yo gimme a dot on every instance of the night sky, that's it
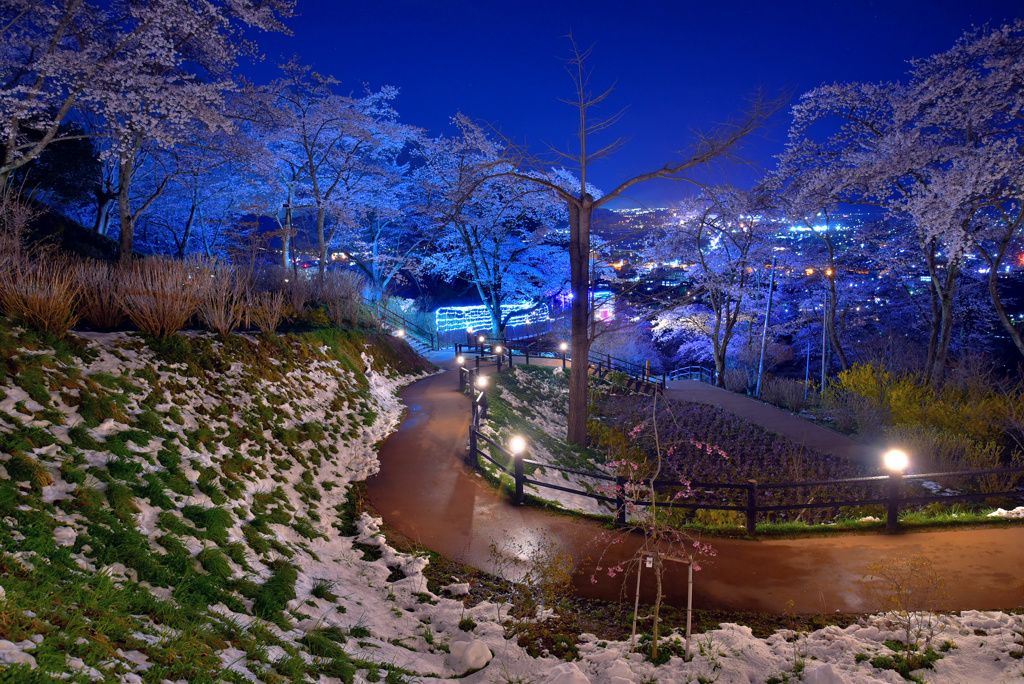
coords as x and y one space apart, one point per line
675 65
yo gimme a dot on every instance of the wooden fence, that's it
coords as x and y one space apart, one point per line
751 498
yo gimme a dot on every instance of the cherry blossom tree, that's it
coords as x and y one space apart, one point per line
339 159
941 154
152 70
495 230
728 239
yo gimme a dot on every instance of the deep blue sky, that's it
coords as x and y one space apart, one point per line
675 65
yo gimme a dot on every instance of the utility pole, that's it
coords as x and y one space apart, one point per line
764 332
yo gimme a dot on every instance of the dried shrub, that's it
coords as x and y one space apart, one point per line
15 217
298 293
42 293
735 379
223 304
266 310
100 305
160 294
341 294
909 591
852 412
788 393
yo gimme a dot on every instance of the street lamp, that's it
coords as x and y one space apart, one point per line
399 333
563 347
460 359
896 462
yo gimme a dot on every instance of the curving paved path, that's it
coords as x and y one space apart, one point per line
424 491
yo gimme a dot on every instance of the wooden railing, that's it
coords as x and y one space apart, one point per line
398 321
693 373
752 498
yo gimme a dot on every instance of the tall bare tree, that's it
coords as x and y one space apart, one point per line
716 145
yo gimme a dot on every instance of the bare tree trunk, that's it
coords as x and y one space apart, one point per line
321 241
105 198
579 279
938 370
833 333
124 207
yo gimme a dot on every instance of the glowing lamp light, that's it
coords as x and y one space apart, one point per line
400 333
896 460
460 359
517 445
480 339
563 346
828 272
497 350
809 271
481 381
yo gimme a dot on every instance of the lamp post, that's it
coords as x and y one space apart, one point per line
498 353
896 462
563 347
460 360
764 333
517 445
824 329
481 399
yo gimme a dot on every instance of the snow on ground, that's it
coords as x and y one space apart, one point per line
402 624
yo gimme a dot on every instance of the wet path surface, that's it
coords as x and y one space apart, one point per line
425 491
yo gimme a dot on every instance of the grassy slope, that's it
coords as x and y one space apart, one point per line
145 488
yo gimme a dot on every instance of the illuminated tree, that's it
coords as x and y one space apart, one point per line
152 70
495 231
728 241
940 154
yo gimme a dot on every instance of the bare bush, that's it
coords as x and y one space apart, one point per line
852 412
939 451
909 591
788 393
735 379
41 293
161 294
266 310
341 292
15 216
100 305
223 304
298 292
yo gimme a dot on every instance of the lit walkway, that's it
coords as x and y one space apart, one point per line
425 491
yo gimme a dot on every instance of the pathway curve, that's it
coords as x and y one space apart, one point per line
424 490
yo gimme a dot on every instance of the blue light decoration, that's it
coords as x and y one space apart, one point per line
449 318
603 301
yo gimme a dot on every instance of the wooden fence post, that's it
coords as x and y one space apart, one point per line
471 459
892 517
520 478
752 507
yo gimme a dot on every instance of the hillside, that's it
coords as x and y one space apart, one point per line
181 512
